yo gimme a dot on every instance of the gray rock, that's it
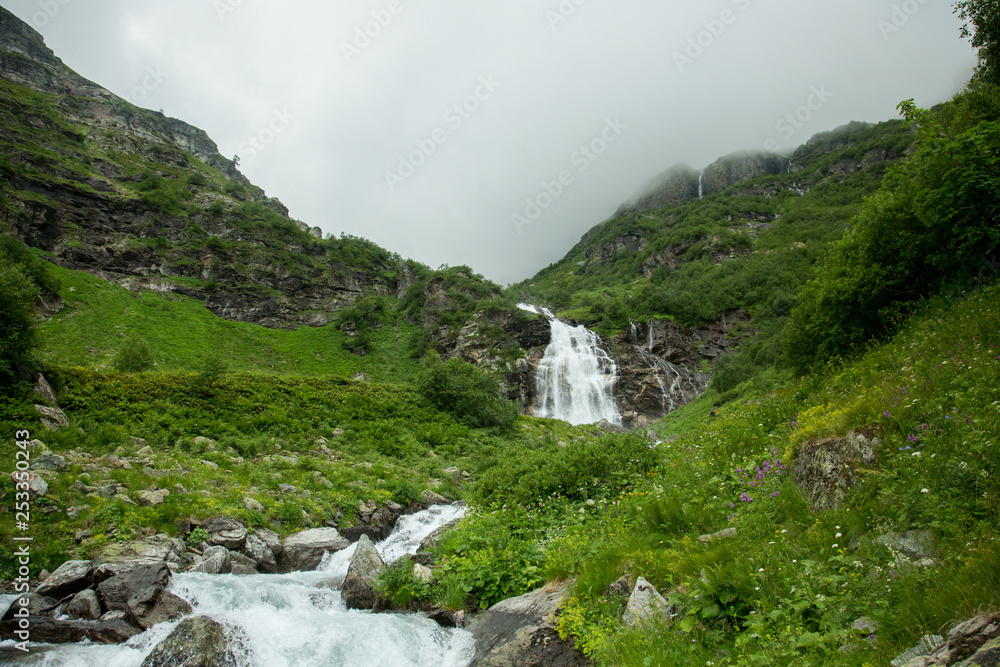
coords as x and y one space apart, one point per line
865 626
435 536
926 646
262 556
305 550
53 419
431 498
85 606
207 443
252 505
213 466
164 608
37 605
140 583
271 539
422 574
827 469
215 560
287 488
915 545
195 642
726 534
228 533
117 558
43 389
365 568
645 605
519 633
988 655
47 630
71 577
37 486
152 498
49 461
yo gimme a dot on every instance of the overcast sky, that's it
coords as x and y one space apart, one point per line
360 134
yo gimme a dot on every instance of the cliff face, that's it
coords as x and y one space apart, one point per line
148 202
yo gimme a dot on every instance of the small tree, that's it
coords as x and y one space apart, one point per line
17 317
470 394
135 356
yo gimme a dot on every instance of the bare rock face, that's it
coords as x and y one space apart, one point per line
742 166
827 469
519 633
366 566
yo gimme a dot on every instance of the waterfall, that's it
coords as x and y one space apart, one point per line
292 620
701 186
576 377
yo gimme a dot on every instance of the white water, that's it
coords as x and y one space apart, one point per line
701 186
576 377
293 620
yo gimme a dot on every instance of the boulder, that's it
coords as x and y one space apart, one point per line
726 534
152 498
37 486
926 645
366 566
825 470
645 604
215 560
53 419
914 545
49 461
44 390
305 550
195 642
446 618
228 533
85 606
264 559
71 577
117 557
48 630
431 498
252 505
140 583
422 573
271 539
431 540
166 607
519 631
37 605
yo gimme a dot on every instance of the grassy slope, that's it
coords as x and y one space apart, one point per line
184 335
785 591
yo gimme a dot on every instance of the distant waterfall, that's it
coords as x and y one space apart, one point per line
701 186
576 377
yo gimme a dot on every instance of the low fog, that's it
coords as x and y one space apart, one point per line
435 128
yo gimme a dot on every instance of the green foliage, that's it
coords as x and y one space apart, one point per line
933 221
982 27
197 536
17 317
135 356
15 252
398 587
472 395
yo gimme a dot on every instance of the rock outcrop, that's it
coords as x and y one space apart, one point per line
519 632
366 565
197 641
827 469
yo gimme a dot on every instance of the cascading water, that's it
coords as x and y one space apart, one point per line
292 620
576 377
701 186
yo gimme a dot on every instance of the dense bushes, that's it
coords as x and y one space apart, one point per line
472 395
17 317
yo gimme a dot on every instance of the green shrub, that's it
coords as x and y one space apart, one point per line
398 586
134 356
470 394
17 317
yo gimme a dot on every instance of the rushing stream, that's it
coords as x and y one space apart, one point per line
293 620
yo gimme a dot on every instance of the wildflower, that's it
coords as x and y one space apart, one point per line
925 490
835 546
839 535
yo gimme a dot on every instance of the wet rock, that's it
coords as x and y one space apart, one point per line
47 630
645 604
37 605
365 568
446 619
262 556
435 536
305 550
215 560
519 632
85 606
71 577
228 533
195 642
